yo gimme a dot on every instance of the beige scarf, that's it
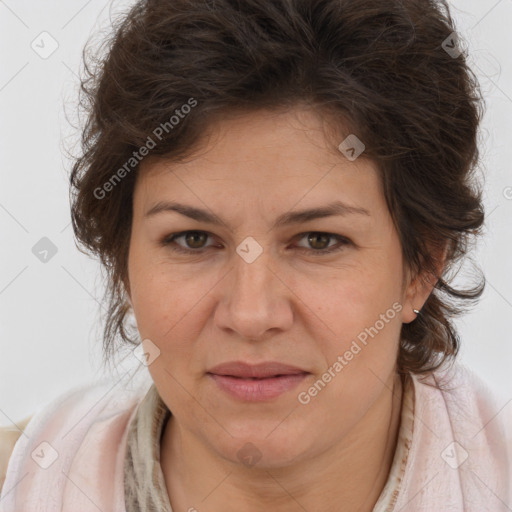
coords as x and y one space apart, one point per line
97 449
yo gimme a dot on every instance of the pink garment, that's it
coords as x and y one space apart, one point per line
460 455
88 428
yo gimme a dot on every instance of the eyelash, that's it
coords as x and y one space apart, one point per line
169 242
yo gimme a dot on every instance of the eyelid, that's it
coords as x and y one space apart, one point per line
170 239
344 241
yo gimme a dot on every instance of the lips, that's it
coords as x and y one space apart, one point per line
256 382
266 370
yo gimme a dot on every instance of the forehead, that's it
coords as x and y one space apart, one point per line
273 157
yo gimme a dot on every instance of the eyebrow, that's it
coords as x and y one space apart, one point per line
293 217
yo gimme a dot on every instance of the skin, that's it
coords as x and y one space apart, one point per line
290 305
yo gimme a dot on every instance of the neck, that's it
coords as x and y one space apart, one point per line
348 477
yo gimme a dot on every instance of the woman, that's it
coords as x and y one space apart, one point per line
278 192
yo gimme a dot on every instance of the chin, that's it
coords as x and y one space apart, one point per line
257 449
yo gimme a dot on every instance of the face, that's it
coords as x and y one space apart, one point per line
249 280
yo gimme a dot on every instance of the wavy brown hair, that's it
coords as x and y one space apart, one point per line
377 69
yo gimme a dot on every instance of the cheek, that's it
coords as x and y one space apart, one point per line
357 315
169 305
157 293
350 299
160 303
358 325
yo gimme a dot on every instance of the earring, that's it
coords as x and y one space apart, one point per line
416 311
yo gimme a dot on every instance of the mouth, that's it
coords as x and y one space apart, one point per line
256 383
254 378
265 370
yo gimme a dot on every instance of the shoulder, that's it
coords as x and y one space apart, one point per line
64 421
8 438
462 408
463 395
460 450
460 389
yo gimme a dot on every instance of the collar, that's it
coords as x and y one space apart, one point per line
145 489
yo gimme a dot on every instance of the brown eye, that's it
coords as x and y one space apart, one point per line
195 239
195 242
318 243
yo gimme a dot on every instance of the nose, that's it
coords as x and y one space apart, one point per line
254 300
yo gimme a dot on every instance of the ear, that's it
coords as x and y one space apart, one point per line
419 288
